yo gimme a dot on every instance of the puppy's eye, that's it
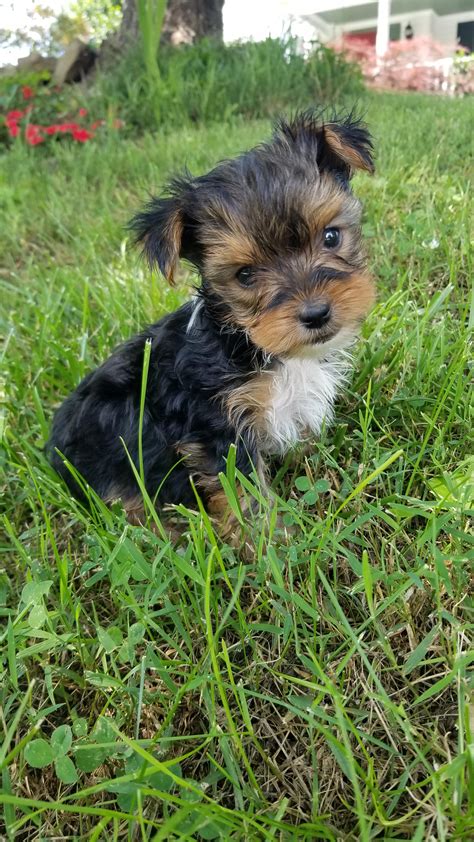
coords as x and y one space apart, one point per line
331 238
246 275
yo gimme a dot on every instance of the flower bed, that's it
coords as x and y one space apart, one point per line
49 115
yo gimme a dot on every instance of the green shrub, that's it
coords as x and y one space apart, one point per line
212 82
11 86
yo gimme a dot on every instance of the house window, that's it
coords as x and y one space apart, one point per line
394 32
466 35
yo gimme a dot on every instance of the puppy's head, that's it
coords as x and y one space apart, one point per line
275 234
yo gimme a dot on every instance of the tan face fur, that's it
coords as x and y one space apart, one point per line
296 273
268 212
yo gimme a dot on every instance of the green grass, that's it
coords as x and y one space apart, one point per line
320 690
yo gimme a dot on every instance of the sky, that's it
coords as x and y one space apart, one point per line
243 19
257 19
19 14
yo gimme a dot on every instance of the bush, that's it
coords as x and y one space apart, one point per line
417 64
48 114
203 83
211 81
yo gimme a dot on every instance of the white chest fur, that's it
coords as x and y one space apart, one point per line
302 394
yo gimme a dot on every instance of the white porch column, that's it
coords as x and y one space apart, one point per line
383 26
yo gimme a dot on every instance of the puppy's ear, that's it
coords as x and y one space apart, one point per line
159 228
348 142
341 145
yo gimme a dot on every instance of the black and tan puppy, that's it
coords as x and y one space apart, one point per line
257 357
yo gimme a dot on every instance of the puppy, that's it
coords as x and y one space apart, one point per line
257 357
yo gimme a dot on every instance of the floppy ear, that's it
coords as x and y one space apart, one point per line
341 145
347 143
159 227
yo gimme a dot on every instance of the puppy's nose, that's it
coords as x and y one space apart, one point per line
314 316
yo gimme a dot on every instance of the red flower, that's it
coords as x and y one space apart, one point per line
32 135
81 135
83 112
97 124
13 116
52 129
13 129
27 92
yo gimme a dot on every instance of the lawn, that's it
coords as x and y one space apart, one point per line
321 689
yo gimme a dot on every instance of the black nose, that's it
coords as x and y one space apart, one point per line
315 315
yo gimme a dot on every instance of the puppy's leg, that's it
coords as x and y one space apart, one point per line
205 465
137 515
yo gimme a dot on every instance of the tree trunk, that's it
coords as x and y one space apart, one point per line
186 21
